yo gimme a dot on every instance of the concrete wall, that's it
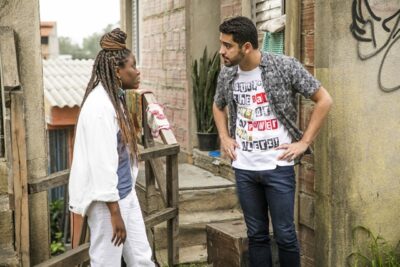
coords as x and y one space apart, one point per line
358 152
23 17
53 43
201 33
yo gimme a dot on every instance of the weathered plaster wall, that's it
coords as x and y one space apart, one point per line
23 18
357 155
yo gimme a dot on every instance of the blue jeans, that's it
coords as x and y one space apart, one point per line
273 190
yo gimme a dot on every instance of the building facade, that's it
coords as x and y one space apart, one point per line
168 36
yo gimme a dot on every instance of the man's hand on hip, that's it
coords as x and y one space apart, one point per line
228 146
292 151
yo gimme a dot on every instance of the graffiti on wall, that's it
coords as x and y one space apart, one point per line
376 27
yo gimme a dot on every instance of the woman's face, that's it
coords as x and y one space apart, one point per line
129 74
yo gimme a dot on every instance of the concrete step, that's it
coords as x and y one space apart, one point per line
192 227
216 165
192 254
203 198
199 190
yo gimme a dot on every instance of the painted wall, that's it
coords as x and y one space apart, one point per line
357 154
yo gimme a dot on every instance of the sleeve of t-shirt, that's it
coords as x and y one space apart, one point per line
219 98
302 81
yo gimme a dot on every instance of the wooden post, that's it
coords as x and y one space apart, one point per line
148 141
173 201
19 170
153 170
126 21
293 49
292 28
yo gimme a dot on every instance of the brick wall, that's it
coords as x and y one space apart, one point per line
163 60
306 173
230 8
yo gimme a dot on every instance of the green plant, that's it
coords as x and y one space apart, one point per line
374 252
204 77
56 216
56 246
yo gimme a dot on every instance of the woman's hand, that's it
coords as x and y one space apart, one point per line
118 225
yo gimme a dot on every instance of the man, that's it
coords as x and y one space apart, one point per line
104 168
263 147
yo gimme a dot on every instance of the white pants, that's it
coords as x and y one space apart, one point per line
136 249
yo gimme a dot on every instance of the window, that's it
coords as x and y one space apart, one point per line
58 157
44 40
264 10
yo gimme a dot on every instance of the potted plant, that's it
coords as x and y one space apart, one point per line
204 77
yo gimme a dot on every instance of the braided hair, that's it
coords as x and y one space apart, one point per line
114 54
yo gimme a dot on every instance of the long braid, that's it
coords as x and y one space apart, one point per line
93 82
104 71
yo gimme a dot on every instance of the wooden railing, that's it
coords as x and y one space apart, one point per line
166 178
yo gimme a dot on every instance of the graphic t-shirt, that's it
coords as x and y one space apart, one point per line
258 131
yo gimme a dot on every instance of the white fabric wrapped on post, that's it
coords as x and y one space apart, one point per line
156 119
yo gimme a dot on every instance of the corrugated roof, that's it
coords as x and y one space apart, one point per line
65 81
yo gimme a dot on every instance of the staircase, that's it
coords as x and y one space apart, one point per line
204 197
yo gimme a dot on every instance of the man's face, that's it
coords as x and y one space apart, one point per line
130 75
230 51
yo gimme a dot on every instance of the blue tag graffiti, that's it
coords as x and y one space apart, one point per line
382 33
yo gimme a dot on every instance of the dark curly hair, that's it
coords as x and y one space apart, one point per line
242 29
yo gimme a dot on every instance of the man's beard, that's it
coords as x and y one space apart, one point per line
234 61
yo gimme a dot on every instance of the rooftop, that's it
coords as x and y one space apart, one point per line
65 81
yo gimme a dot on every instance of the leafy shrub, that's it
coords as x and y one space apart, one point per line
372 251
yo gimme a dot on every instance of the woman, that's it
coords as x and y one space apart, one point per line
104 167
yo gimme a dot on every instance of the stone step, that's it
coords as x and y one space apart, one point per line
192 227
199 190
216 165
193 254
